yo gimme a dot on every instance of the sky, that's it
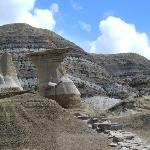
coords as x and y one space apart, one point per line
98 26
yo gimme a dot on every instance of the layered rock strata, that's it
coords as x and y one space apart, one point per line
121 139
107 75
53 80
21 39
8 73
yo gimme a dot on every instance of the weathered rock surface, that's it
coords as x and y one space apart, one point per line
143 102
53 80
67 93
125 64
121 140
8 73
101 102
138 123
29 122
107 75
129 69
22 39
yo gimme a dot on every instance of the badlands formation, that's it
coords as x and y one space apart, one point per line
8 73
53 80
56 96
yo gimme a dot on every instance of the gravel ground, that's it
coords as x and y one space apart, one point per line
31 122
101 102
137 123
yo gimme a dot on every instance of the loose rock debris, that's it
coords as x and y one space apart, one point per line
121 139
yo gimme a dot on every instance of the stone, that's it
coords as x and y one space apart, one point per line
128 136
107 125
83 117
103 126
90 126
8 73
95 119
118 139
125 148
124 144
116 127
107 131
53 80
113 144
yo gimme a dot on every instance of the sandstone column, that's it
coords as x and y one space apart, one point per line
8 73
53 81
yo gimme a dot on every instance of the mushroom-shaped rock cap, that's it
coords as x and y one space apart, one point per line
52 52
50 55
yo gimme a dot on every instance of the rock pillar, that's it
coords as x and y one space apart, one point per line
8 73
53 80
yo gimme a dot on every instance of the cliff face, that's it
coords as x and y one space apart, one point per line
112 75
128 69
125 64
21 39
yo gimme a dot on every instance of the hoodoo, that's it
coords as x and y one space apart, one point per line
53 80
8 73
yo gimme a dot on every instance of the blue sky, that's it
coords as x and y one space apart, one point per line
100 26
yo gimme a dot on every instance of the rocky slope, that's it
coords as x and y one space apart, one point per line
21 39
128 69
29 121
124 64
112 75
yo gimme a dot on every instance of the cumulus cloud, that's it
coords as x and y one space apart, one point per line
117 36
75 5
85 26
54 8
24 11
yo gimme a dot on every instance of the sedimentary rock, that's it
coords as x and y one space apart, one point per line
67 93
8 73
92 74
121 139
101 102
124 64
32 122
53 81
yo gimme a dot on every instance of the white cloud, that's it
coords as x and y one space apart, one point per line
75 5
54 8
24 11
85 26
117 36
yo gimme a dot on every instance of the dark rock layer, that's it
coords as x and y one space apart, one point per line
113 75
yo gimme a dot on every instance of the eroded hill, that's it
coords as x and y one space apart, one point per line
117 75
29 121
